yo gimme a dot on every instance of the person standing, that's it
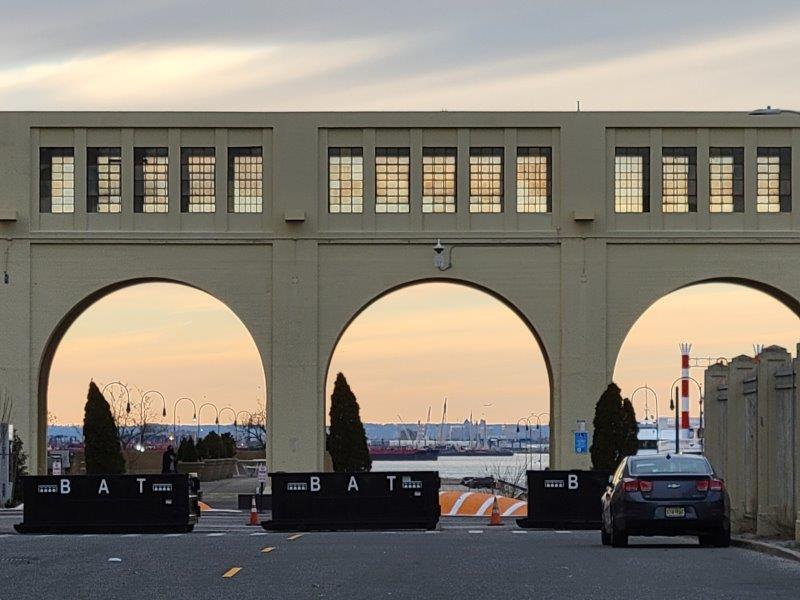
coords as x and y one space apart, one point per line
169 462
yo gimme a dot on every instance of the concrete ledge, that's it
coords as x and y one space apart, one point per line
766 548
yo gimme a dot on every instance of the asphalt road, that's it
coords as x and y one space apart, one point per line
454 562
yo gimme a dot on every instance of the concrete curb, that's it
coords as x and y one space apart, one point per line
766 548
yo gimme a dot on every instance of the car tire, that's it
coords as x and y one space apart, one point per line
723 539
605 538
706 540
619 539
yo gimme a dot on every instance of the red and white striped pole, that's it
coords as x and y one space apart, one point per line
685 349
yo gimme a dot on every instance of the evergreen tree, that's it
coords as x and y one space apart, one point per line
212 444
629 432
101 436
228 446
347 441
200 447
607 417
187 452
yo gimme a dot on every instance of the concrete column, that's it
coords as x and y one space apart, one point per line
781 464
772 441
715 417
796 424
584 371
740 446
296 440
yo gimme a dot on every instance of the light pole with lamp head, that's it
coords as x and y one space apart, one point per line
538 418
216 419
528 431
127 395
221 410
175 415
674 404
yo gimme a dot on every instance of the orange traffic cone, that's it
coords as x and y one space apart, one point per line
495 518
253 512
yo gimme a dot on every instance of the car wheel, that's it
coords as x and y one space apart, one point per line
723 539
619 539
605 538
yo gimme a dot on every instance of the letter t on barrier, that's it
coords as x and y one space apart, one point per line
141 481
390 479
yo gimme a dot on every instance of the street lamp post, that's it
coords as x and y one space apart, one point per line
677 409
175 415
538 418
163 409
216 419
127 396
221 410
528 430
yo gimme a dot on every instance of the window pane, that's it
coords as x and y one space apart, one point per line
774 180
485 180
197 180
150 180
56 180
345 180
438 180
632 180
534 180
245 180
104 180
726 177
392 170
679 180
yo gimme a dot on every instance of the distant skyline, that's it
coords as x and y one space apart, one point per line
403 354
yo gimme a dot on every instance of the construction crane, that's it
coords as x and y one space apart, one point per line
440 437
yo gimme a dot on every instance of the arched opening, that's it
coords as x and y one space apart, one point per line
721 319
419 346
172 360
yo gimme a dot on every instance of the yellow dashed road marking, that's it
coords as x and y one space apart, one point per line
296 536
231 572
267 550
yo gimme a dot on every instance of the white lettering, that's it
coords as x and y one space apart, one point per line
65 487
572 481
141 481
353 485
103 487
391 479
315 486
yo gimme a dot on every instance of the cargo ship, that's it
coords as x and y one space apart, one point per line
402 453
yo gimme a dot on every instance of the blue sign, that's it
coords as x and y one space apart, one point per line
581 442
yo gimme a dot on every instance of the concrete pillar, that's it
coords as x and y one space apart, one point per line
796 465
781 463
715 417
772 440
740 448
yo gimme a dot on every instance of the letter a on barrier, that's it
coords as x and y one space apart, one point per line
103 489
353 485
65 487
314 483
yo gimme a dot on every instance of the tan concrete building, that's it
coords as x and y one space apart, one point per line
297 221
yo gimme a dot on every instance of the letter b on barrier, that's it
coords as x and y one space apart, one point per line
65 487
572 481
315 486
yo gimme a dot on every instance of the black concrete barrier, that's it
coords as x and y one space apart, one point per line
564 499
109 504
344 501
263 502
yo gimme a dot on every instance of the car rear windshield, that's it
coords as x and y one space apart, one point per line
679 465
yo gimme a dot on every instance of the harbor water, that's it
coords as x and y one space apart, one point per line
457 467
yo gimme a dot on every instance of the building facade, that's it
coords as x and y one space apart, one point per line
298 221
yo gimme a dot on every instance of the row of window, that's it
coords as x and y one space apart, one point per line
393 174
725 175
150 180
393 178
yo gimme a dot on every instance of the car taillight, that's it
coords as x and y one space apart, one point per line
702 485
717 485
630 485
637 485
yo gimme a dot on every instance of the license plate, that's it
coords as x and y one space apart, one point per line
674 512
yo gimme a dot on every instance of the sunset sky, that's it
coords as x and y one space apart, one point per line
412 55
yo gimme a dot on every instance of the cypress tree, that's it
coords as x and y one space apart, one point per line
347 441
629 430
615 430
187 451
101 436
